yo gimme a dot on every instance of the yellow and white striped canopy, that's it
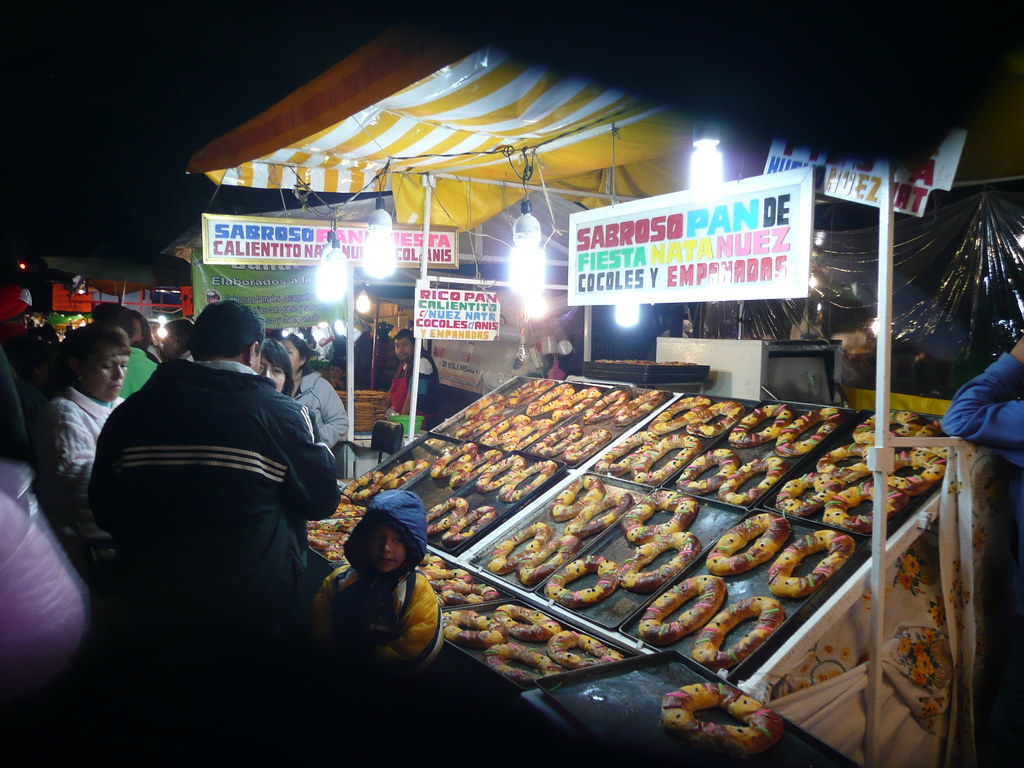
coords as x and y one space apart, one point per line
471 120
476 122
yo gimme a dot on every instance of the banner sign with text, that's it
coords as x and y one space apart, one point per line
283 295
264 240
443 313
63 300
751 241
859 181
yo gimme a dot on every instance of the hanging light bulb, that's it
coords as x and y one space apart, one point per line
526 259
535 305
379 244
363 302
706 161
331 275
627 314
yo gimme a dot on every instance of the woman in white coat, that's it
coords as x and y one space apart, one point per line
91 366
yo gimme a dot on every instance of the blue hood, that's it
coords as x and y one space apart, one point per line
404 512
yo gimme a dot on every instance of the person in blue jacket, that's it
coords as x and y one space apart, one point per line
380 608
986 410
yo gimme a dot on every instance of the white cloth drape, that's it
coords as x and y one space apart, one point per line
932 661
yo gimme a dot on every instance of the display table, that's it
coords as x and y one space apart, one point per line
935 570
932 663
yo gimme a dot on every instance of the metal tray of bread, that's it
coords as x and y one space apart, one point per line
399 471
554 668
673 438
509 399
764 466
618 496
459 516
754 583
845 459
456 587
618 707
552 409
706 524
589 432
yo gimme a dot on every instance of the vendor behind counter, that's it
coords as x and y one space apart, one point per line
429 381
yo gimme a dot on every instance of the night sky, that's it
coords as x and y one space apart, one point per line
104 109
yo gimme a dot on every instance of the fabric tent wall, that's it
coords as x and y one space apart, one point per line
958 296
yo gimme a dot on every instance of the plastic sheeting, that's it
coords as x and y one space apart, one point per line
958 296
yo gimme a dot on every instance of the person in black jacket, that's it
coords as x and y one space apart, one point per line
225 549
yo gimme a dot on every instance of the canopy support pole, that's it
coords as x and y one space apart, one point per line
428 184
350 363
881 463
588 321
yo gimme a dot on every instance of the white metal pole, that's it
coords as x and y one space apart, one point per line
428 185
350 363
588 333
880 461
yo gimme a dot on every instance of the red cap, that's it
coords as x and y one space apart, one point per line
13 301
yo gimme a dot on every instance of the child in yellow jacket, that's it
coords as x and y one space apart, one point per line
381 607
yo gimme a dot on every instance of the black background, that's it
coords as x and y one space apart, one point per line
105 105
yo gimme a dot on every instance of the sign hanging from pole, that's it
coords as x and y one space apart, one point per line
265 240
861 181
751 241
444 313
283 295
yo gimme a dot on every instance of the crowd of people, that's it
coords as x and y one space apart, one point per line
173 481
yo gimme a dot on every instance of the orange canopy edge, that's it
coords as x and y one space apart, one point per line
387 64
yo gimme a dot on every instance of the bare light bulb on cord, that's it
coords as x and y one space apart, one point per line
332 274
526 259
535 305
706 170
379 244
627 314
363 302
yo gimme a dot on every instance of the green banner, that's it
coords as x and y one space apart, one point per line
285 296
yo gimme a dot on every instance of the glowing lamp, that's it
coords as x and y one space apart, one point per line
526 259
379 244
331 275
627 314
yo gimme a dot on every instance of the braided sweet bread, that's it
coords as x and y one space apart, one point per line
761 727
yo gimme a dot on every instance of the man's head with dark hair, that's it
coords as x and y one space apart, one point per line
143 336
31 357
227 330
110 313
177 340
405 345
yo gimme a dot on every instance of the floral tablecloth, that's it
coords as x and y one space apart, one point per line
932 659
